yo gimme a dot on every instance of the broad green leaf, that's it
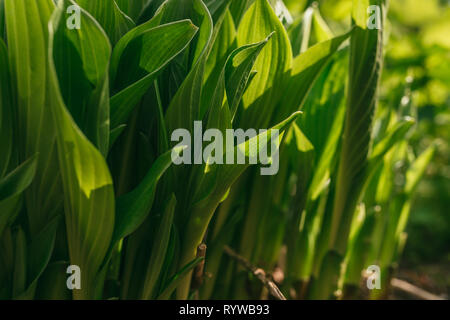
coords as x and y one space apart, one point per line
305 69
169 267
150 52
321 29
39 253
217 7
87 184
324 286
302 143
52 283
385 187
204 179
359 13
197 12
2 18
323 119
215 253
12 186
360 244
115 133
224 42
273 64
134 33
27 31
9 208
394 135
163 139
82 62
184 108
238 9
417 170
6 128
111 18
401 214
396 215
133 208
224 176
238 71
300 32
175 281
20 263
7 250
133 8
159 249
366 57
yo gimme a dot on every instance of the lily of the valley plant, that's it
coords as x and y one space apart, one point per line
87 177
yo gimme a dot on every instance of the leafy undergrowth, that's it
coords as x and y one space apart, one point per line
93 95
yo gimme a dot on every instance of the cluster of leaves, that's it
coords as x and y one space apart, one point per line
86 174
419 51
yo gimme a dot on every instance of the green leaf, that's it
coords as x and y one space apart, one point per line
12 186
359 13
133 34
238 8
223 176
273 64
18 180
39 253
52 283
360 244
300 32
366 57
323 120
133 8
159 249
215 252
175 281
227 174
2 18
321 29
238 71
417 169
87 184
305 69
217 7
27 31
147 54
198 13
82 62
6 263
224 39
184 108
394 135
133 208
111 18
115 133
6 128
20 263
9 209
324 286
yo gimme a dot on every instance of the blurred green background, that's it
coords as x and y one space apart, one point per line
416 76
